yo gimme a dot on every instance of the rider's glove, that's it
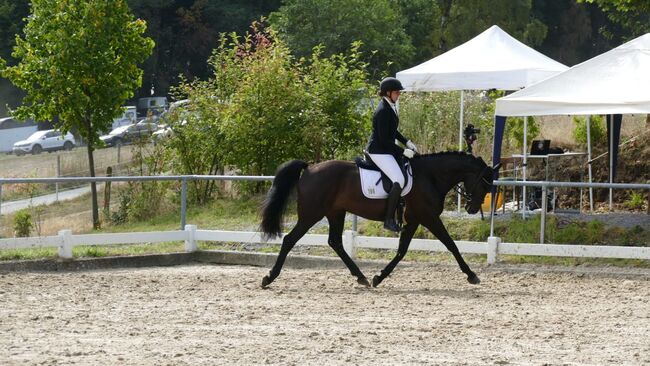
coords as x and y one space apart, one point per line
411 145
409 153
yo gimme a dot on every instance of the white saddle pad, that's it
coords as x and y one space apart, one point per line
372 187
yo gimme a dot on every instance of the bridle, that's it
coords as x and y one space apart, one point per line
481 179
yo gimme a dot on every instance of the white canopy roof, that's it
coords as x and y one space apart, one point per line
491 60
614 82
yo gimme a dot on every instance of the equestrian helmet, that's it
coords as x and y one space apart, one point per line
390 84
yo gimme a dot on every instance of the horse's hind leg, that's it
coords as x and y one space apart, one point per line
335 240
288 242
404 242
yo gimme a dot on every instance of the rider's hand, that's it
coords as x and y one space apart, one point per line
411 145
409 153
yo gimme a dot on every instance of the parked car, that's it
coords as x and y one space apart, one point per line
129 134
48 140
12 130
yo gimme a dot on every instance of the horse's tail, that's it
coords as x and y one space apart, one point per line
276 200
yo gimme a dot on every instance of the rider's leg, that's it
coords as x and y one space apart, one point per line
391 206
389 166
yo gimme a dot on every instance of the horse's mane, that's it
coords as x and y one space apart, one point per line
460 154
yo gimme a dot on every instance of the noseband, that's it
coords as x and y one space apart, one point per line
481 179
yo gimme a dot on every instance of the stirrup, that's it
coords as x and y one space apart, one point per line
391 225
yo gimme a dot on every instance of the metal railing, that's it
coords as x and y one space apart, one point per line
182 178
545 185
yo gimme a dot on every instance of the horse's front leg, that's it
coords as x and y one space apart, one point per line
439 230
404 241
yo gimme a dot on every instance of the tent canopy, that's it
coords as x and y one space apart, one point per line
491 60
615 82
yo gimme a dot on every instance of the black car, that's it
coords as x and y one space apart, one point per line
128 134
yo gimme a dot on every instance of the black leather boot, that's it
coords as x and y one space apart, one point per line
391 206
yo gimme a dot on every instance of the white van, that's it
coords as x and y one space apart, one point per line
129 117
12 130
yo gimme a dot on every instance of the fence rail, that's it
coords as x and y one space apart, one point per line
65 241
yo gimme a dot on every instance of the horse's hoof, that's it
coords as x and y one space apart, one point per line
474 280
376 281
363 281
266 281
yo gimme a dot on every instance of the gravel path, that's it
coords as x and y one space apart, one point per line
423 314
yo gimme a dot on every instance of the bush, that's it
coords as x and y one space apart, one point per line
635 202
23 224
598 131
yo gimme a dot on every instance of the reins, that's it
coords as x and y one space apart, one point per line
468 196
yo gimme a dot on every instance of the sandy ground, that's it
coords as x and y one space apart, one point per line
422 314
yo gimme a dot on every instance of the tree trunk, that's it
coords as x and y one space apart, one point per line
93 186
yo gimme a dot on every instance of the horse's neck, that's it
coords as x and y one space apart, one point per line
446 173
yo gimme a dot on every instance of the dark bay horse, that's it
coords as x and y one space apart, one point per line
332 188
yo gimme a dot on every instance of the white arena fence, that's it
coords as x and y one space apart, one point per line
494 247
65 241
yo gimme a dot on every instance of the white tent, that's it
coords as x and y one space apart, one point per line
615 82
491 60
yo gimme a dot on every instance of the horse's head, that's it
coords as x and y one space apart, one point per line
477 183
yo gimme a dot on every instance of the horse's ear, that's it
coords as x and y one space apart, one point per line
496 167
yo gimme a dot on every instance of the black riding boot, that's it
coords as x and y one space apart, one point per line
391 206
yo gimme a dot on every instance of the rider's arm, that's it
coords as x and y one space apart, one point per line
401 138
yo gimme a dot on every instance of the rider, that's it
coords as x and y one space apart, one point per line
382 147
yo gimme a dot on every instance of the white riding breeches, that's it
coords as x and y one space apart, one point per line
388 165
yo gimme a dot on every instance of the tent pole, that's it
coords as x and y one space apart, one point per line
460 133
524 165
591 190
611 158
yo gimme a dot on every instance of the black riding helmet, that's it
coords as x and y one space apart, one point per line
390 84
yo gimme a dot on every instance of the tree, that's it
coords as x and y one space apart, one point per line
632 15
336 24
78 63
186 32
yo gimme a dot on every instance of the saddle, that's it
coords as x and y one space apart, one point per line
376 185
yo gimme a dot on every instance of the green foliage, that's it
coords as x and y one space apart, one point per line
598 130
262 107
78 61
336 107
23 223
432 120
461 20
142 200
336 24
632 15
515 130
636 201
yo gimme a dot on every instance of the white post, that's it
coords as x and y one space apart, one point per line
190 242
591 190
58 175
493 249
460 132
524 167
65 249
542 229
611 158
350 243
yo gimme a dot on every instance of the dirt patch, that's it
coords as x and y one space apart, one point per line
205 314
